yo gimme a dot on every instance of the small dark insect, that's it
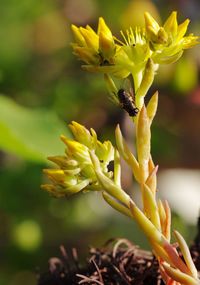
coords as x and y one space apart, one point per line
127 102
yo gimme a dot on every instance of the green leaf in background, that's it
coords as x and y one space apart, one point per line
30 134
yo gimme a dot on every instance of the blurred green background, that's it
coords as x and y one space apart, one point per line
42 89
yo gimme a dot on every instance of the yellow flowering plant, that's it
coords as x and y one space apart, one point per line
84 166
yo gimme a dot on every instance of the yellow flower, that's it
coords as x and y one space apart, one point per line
139 50
134 52
98 50
168 42
107 46
130 57
94 48
75 170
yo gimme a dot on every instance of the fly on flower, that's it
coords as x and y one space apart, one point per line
127 101
123 96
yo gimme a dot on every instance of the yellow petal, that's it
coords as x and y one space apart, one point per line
92 32
53 190
162 36
106 46
86 54
62 161
103 28
105 152
115 70
81 134
56 175
76 150
190 41
73 189
73 172
90 39
182 29
171 24
167 58
78 36
151 26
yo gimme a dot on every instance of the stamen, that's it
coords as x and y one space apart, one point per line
124 38
117 40
132 36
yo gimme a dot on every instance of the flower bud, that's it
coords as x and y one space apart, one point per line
162 36
106 42
87 55
151 26
78 36
82 135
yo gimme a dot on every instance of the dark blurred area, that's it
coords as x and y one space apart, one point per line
42 89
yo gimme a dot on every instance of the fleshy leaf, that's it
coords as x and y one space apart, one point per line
167 223
126 153
107 184
150 206
143 143
179 276
175 258
117 169
186 253
149 229
152 106
151 181
116 205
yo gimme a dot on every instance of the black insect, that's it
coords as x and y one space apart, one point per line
127 102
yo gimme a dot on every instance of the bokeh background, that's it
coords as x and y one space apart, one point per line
42 89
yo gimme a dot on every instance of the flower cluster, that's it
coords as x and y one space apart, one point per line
168 42
75 170
103 52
